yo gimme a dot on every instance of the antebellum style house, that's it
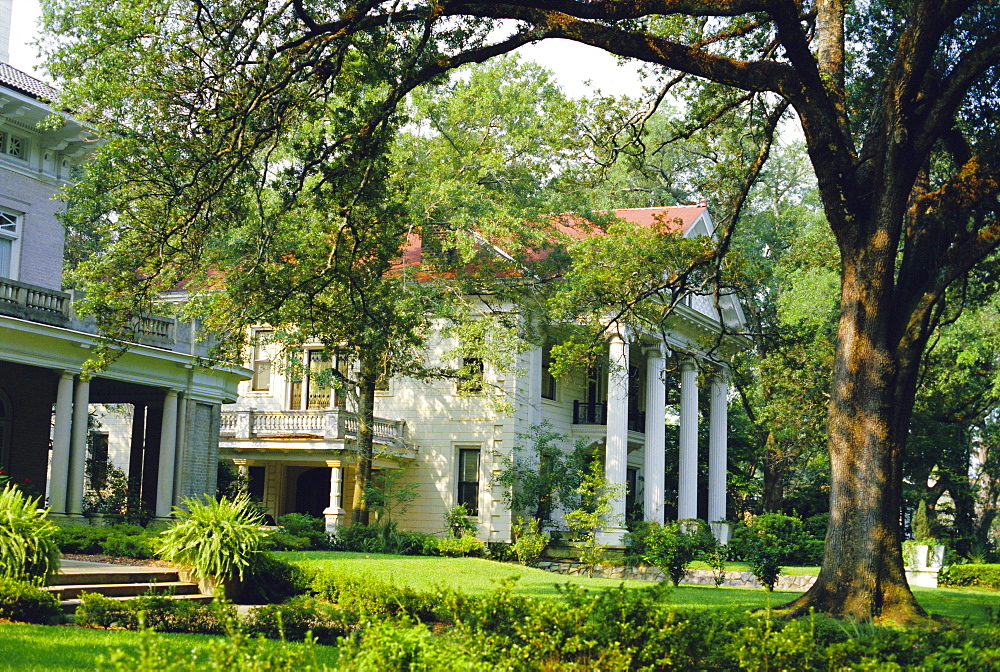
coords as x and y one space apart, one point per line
172 401
295 438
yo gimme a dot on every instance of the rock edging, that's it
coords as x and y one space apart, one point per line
693 576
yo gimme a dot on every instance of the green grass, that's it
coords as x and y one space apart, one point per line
476 576
49 647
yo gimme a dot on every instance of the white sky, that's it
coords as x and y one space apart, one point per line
573 63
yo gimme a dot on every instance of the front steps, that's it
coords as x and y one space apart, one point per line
119 582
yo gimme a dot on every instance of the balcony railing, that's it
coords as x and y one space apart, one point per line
596 413
324 424
19 299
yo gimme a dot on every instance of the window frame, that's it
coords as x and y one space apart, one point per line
10 232
467 492
550 386
259 356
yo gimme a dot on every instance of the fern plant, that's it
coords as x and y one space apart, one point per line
28 550
215 538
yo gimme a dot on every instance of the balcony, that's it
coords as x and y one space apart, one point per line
29 302
596 413
328 424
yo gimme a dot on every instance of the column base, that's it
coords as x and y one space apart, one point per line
334 518
612 537
70 518
722 530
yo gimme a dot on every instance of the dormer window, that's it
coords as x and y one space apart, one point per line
13 145
9 232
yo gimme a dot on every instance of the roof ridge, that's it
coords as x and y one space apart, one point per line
22 82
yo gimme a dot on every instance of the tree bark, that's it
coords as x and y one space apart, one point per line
366 426
775 470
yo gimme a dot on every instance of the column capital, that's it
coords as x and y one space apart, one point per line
654 351
334 463
689 363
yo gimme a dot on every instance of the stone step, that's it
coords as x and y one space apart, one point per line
69 606
64 592
110 576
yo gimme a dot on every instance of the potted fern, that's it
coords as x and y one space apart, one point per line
214 542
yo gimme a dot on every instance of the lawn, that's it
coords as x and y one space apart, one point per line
476 576
48 647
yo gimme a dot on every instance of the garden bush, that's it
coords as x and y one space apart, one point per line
529 542
293 619
461 547
28 551
216 538
282 541
635 541
25 602
82 539
979 576
269 579
384 538
369 596
786 539
159 612
311 528
139 546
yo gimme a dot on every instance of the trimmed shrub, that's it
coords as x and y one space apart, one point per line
25 602
369 596
82 539
529 543
311 528
785 538
130 547
28 551
282 541
671 549
161 613
385 538
461 547
215 538
979 576
270 580
299 616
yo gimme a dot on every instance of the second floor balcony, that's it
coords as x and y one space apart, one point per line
37 304
596 413
327 424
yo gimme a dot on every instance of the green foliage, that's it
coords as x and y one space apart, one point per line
159 612
298 617
783 536
399 647
371 597
282 541
28 551
24 602
127 541
216 538
595 513
671 549
384 538
141 546
529 542
921 524
270 579
461 547
541 477
312 528
388 496
458 521
971 575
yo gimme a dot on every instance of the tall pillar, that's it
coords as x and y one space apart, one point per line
180 442
168 453
616 446
61 437
78 449
333 513
687 490
717 448
653 467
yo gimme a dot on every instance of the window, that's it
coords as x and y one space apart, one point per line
548 380
468 479
13 145
98 459
261 365
9 225
471 376
314 389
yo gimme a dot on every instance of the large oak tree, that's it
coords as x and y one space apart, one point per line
896 101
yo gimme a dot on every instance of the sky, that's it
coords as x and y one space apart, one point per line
574 64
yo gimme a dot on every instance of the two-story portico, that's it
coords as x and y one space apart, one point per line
45 395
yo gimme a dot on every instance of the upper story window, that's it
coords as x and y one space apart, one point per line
548 380
10 228
13 145
471 376
261 364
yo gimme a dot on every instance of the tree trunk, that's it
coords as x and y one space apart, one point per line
774 467
873 386
366 425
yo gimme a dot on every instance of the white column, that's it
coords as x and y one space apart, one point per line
180 442
61 436
687 490
168 454
333 514
717 447
534 386
616 446
653 467
78 449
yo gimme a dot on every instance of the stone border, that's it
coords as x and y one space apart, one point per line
693 576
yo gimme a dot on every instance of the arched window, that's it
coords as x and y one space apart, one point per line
5 429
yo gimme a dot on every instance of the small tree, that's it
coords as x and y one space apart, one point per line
671 549
594 514
388 496
921 524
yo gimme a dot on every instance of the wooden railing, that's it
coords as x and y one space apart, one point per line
324 424
19 299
